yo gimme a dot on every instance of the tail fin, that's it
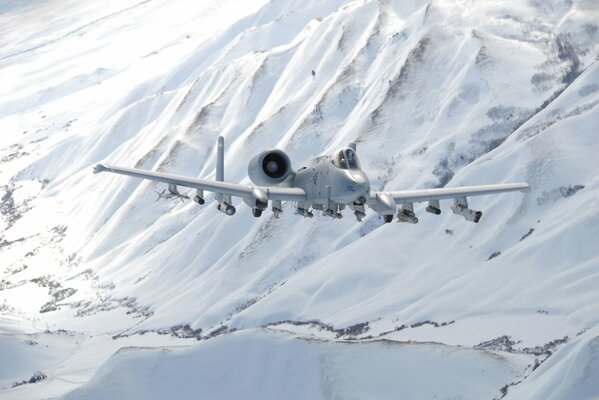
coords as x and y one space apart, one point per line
220 159
220 168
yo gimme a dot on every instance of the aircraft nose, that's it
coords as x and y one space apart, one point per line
361 187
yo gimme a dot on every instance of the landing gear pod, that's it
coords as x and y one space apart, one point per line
383 204
258 201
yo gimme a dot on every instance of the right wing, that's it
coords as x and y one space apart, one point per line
384 203
416 196
225 188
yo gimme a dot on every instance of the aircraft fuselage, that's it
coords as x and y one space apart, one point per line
326 181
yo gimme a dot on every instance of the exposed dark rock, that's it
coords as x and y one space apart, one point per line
502 343
6 308
8 208
353 330
566 52
54 289
38 376
443 172
546 349
46 281
435 324
314 323
182 331
552 118
349 332
15 151
505 343
504 390
6 243
108 303
396 329
59 230
10 285
527 234
558 193
63 332
219 331
19 269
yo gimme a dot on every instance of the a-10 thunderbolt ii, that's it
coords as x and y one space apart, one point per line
329 183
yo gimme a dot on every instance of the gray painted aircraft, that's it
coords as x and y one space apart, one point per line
329 184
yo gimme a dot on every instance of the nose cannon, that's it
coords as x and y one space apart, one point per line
354 188
356 191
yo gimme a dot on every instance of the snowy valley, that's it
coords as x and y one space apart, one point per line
106 292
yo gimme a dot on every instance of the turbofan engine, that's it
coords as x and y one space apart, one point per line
269 168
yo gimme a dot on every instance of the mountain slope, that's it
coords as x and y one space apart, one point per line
435 94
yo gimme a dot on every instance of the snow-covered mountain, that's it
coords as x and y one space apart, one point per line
107 293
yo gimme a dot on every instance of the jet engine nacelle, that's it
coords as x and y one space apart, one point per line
269 168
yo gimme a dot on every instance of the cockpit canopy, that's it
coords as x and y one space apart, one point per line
347 159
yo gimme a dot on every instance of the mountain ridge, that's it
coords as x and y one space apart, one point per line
435 94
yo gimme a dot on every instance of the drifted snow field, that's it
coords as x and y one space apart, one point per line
107 293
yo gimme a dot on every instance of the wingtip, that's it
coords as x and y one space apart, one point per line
99 168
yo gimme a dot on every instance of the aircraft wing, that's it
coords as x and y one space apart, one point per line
225 188
384 203
416 196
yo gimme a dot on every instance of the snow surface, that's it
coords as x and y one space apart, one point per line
107 293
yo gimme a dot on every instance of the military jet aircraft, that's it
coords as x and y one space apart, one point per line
329 184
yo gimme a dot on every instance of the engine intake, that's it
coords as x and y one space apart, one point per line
271 167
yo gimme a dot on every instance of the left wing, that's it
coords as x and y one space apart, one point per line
384 203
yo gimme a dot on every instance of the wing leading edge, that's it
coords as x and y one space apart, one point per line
385 203
417 196
224 188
